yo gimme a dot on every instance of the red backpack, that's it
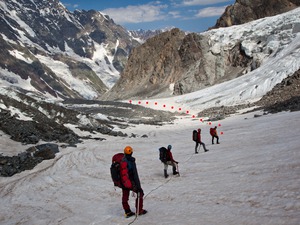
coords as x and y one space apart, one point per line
212 131
119 172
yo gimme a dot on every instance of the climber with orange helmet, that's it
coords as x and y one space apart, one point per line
131 182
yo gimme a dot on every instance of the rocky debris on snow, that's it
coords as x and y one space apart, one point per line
34 121
219 113
292 104
27 160
285 96
121 113
28 120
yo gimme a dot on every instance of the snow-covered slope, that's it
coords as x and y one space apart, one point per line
251 178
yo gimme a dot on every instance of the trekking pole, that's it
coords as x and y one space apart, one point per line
138 204
137 208
177 169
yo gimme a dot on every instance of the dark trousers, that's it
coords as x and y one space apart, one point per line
213 137
138 201
199 143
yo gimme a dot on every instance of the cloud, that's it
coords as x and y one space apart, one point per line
69 5
210 12
137 14
202 2
175 14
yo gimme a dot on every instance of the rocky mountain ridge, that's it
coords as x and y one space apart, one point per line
60 52
143 35
81 54
175 63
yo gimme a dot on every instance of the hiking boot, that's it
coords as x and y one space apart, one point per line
129 214
143 212
196 152
166 174
206 150
174 171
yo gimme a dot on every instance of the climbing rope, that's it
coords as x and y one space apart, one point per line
159 186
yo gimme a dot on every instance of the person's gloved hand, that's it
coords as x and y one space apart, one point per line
140 190
134 188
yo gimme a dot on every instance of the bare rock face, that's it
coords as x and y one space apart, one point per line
175 63
203 65
151 67
244 11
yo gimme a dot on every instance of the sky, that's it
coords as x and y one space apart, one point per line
188 15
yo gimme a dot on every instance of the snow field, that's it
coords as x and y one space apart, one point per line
252 177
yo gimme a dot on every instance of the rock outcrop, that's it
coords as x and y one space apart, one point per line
175 63
151 67
285 96
10 165
243 11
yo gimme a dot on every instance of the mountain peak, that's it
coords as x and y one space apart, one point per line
70 55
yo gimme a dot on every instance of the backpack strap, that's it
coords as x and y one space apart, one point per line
124 175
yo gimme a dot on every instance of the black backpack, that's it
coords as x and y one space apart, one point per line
195 135
163 154
115 169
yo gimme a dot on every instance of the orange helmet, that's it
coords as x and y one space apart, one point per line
128 150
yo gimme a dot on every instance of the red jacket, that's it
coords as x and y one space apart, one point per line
199 136
170 156
129 174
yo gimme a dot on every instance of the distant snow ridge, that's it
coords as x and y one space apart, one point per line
90 52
